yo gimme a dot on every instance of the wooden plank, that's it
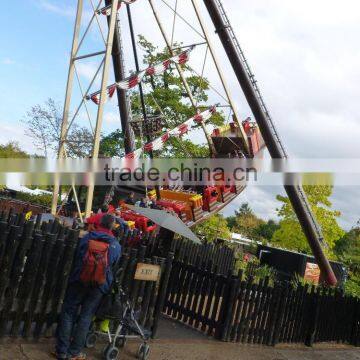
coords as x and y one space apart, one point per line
210 296
27 282
65 265
51 278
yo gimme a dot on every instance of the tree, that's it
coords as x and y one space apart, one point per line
43 125
290 234
266 230
79 142
213 228
12 150
348 251
231 222
166 95
112 145
245 222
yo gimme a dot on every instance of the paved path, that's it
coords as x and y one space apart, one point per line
189 350
177 342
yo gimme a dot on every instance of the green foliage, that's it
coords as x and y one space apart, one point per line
248 224
43 200
253 269
348 251
352 287
245 222
231 222
181 149
266 230
12 150
213 228
112 145
290 234
265 271
299 280
43 126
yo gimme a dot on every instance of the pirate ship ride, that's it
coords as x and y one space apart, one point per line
236 140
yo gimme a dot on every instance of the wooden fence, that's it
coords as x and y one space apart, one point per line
197 288
35 262
221 257
19 206
233 309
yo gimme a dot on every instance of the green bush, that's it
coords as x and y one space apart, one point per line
252 268
352 287
43 200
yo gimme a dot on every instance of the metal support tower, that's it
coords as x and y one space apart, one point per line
104 82
69 87
122 95
104 65
271 137
219 71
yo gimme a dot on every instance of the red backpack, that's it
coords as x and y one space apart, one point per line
95 263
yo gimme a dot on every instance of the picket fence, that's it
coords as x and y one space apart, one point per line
196 287
231 308
35 261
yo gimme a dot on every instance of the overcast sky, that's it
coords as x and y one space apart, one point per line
305 56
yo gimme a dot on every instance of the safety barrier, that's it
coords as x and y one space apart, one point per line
18 206
233 309
35 263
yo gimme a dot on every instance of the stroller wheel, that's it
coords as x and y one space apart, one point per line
144 351
111 353
120 342
91 339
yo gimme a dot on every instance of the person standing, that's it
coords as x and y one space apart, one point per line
130 200
90 279
94 220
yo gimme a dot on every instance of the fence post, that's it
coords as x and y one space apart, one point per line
356 335
64 266
283 292
229 307
226 290
28 280
310 337
162 293
3 237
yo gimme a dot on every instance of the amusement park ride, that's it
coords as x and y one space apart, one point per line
238 139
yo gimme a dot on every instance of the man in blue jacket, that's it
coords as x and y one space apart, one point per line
73 329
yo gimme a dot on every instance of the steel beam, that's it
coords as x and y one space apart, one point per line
295 192
69 88
103 96
220 72
119 71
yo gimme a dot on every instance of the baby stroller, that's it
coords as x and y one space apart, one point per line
117 320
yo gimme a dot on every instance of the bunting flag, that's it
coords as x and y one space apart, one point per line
96 96
134 155
179 131
136 79
107 9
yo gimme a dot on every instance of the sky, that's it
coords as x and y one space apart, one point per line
305 56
